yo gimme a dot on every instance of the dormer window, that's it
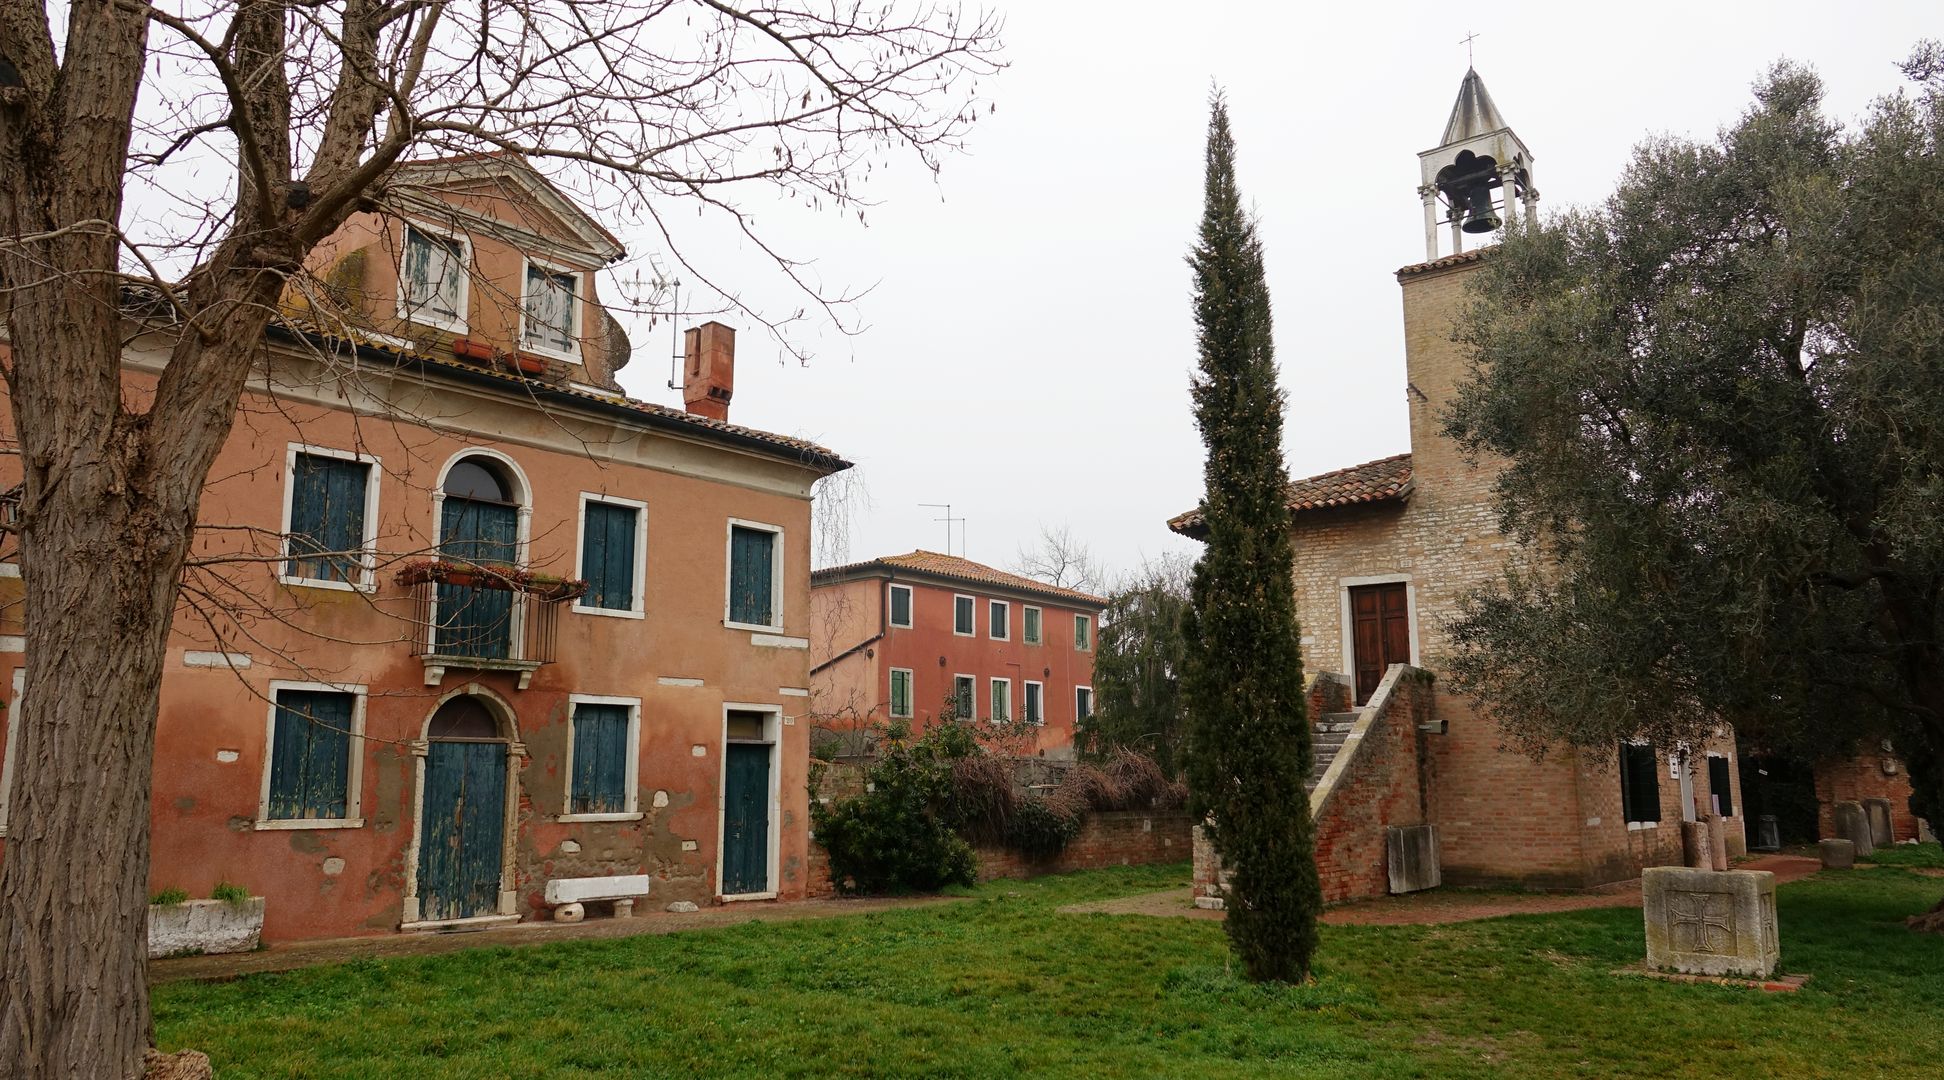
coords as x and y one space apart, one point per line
432 280
551 313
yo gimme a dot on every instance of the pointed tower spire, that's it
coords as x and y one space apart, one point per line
1478 158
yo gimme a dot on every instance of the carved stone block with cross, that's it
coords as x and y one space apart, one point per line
1711 922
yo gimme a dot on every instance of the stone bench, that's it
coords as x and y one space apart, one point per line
567 895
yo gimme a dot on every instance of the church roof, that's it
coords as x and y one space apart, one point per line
1374 481
956 569
1473 114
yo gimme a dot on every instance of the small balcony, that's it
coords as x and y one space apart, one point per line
484 617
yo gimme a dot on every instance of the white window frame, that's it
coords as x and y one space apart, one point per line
777 591
368 561
1077 691
1347 617
632 785
523 510
972 699
993 684
1088 621
1027 697
1632 826
911 606
354 773
638 608
956 632
1730 759
1004 622
575 330
911 694
422 315
1026 611
13 741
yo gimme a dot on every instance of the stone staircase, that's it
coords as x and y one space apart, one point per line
1327 738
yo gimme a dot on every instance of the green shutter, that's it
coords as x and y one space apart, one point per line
600 778
607 555
310 756
962 614
475 621
327 514
900 693
900 606
751 576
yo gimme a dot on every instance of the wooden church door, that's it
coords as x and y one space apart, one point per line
1380 633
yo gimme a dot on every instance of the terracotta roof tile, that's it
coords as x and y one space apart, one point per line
953 568
1373 481
1460 259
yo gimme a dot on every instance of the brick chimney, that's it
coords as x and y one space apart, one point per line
709 378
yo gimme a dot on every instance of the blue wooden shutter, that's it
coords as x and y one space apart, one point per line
327 514
600 760
476 621
750 576
607 555
310 755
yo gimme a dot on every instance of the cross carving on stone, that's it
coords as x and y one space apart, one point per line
1701 922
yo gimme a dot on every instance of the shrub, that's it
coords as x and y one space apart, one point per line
1042 826
169 896
901 835
229 894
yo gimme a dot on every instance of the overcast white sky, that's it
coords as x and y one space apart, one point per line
1029 340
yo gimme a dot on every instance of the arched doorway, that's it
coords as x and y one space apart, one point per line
462 815
479 522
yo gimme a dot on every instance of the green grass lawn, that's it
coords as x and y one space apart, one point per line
1924 855
1000 985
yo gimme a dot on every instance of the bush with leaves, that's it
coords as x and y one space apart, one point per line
901 834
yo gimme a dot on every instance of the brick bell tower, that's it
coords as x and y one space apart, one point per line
1479 176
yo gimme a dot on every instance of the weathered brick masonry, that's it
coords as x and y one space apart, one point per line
1864 777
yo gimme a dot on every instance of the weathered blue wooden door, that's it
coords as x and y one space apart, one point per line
475 621
461 829
745 819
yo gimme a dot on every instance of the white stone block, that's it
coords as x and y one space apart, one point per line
577 890
1711 922
204 926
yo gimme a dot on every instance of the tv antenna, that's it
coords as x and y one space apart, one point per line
948 519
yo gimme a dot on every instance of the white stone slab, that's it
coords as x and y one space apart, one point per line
204 926
577 890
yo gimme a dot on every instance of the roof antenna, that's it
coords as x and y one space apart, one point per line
676 355
948 519
1467 43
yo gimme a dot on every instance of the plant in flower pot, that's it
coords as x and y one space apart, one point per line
459 572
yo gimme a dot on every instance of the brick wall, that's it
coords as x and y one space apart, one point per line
1866 776
1380 786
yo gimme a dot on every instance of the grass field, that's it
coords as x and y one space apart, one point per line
1930 856
1001 985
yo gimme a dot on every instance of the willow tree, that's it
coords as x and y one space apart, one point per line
1718 401
1248 736
650 110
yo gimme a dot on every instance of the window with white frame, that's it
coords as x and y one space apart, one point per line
964 689
1035 703
1029 630
962 615
602 748
330 518
999 619
432 279
1082 703
901 693
311 766
11 717
613 555
1639 785
755 575
901 606
1082 633
1001 700
550 313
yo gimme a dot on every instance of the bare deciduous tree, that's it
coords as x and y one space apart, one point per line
1062 560
647 109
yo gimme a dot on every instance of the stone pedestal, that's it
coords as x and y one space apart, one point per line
1717 827
1711 922
1877 812
1211 880
1694 846
1837 854
1853 824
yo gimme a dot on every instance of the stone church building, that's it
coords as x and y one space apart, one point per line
1410 780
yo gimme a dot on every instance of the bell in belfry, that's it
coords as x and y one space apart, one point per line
1479 215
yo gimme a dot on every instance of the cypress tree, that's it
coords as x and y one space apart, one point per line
1248 734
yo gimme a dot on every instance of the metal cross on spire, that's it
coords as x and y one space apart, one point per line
1467 43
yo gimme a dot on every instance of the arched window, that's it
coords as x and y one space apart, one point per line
463 718
478 478
479 523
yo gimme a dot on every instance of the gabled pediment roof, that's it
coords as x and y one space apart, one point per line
458 172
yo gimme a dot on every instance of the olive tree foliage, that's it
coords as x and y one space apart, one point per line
115 115
1249 750
1717 406
1138 659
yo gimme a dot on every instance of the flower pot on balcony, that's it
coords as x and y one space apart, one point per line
527 364
469 349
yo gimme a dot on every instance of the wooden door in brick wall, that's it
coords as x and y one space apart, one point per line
1380 633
